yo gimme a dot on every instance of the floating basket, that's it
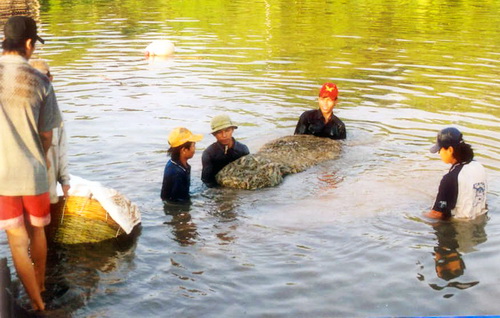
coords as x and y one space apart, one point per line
77 220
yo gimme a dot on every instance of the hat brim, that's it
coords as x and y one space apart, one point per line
435 148
195 138
223 127
192 138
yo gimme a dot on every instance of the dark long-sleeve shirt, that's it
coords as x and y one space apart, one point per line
176 182
312 122
216 157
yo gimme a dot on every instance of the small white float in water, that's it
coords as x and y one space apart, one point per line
160 48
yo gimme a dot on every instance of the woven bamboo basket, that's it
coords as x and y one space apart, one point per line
77 220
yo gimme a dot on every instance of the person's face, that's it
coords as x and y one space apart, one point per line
224 136
326 104
446 155
189 152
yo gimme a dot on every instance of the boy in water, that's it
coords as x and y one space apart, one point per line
322 122
462 191
177 174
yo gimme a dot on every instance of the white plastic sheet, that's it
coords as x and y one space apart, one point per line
121 209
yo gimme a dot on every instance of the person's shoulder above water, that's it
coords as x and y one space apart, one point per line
223 151
241 148
462 191
177 173
321 122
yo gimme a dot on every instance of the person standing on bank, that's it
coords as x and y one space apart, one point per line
57 155
177 174
462 191
322 122
222 152
28 113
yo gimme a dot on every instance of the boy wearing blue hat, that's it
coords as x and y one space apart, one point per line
462 191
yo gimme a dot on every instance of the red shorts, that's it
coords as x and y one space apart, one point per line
13 210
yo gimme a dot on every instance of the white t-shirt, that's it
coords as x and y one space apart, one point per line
462 191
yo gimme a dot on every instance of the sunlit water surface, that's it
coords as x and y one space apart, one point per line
345 238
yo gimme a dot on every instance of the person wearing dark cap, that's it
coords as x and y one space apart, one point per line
462 191
29 112
222 152
177 174
322 122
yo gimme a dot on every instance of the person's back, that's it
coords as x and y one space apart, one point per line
472 188
462 191
28 113
22 102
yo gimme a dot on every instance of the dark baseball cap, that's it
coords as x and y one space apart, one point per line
21 28
447 137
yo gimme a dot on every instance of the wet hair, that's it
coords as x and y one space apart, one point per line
463 152
16 45
175 152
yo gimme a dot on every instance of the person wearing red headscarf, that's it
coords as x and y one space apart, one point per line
322 122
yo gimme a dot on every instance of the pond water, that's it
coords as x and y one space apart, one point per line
345 238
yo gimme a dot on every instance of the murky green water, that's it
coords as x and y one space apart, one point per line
342 239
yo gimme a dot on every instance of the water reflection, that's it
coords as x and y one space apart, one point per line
404 72
183 227
454 239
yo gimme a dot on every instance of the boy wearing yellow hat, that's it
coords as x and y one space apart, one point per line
177 174
222 152
322 122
